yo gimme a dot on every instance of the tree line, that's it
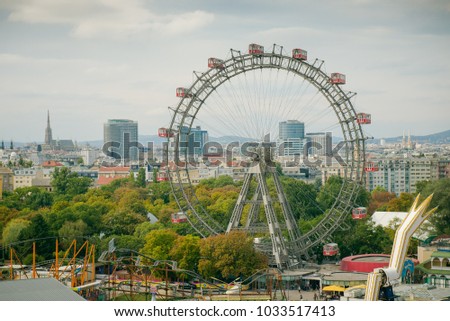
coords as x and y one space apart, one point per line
119 210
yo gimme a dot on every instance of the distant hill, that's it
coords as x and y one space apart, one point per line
438 138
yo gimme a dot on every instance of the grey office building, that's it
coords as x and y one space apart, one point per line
291 137
320 144
120 138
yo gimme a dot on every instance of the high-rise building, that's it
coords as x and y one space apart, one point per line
401 174
291 138
48 131
319 144
193 140
120 137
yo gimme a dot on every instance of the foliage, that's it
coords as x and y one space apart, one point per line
228 256
186 251
220 181
140 179
365 238
158 244
67 184
379 200
40 233
441 199
302 198
401 204
72 231
12 230
329 192
118 210
130 242
121 222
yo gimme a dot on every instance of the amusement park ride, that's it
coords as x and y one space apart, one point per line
284 244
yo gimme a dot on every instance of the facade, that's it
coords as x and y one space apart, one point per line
121 138
89 156
24 177
193 140
335 169
6 180
108 174
436 270
291 138
43 178
400 175
321 144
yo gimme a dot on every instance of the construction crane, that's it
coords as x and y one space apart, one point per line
381 280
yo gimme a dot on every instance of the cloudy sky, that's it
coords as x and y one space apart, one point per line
91 60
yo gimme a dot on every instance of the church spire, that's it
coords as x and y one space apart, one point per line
48 131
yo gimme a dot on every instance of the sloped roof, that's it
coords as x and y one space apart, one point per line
42 289
152 218
384 218
114 169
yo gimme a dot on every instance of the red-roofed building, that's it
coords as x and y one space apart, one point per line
51 163
108 174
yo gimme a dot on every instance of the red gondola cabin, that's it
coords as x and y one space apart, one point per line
299 54
337 78
183 92
216 63
162 176
371 167
165 132
255 49
359 213
179 217
330 249
363 118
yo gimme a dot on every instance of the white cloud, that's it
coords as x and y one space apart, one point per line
105 18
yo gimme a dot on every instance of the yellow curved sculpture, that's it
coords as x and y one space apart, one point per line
382 279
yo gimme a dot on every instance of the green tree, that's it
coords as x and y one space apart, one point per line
131 199
441 199
140 179
186 251
302 198
13 229
379 200
329 192
365 238
229 256
119 222
71 231
401 204
160 191
67 184
40 232
7 214
220 181
33 198
158 244
144 228
130 242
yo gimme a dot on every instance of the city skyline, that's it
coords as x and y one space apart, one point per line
89 61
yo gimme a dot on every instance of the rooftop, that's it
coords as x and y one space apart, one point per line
43 289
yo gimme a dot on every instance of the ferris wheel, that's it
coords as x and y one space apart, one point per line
243 113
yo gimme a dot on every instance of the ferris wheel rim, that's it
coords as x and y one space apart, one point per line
207 82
